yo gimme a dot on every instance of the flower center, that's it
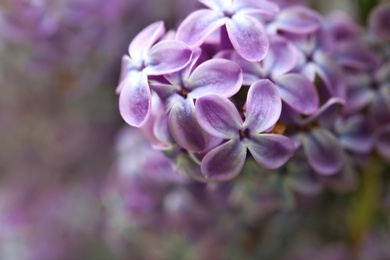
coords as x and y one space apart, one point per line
244 133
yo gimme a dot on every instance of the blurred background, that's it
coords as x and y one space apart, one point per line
68 165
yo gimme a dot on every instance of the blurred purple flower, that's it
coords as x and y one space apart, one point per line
246 33
379 22
145 59
219 117
295 19
322 148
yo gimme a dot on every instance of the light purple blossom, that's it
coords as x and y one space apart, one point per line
295 19
246 33
294 89
219 117
382 141
379 22
322 148
147 59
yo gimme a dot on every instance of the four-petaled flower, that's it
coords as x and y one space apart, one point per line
145 60
245 32
219 117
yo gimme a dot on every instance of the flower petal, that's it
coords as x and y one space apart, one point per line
383 141
216 76
248 37
379 110
251 70
197 26
379 21
145 39
224 162
218 116
297 19
323 151
270 150
355 54
263 106
184 127
327 113
281 57
134 100
354 134
298 92
167 57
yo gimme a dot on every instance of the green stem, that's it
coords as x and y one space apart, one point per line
364 206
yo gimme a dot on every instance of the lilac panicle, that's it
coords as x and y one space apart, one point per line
246 33
219 117
216 76
147 59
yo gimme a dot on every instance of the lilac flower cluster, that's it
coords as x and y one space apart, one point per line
277 81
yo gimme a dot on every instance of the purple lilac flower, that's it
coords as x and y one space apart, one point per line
315 59
354 133
295 19
219 117
246 33
216 76
322 148
379 22
145 59
282 57
382 141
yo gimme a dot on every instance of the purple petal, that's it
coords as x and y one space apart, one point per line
261 7
354 134
354 54
167 57
217 76
184 127
134 100
263 106
270 150
379 110
379 22
297 19
197 26
281 58
145 39
251 70
323 151
126 62
218 116
331 74
327 113
358 97
224 162
383 141
298 92
248 37
189 68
